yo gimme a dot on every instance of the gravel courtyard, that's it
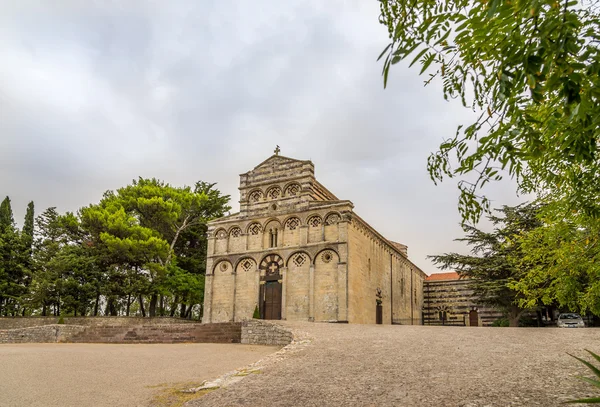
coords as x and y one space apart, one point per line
110 375
370 365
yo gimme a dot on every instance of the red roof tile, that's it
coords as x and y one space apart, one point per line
443 276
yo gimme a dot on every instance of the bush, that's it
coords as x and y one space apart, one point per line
61 320
256 314
500 322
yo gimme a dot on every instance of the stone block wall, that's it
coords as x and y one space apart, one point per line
40 334
24 322
259 332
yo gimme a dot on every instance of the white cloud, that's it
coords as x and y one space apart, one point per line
94 94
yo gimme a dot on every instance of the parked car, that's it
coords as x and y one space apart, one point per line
570 320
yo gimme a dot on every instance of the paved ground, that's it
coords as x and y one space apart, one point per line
369 365
110 375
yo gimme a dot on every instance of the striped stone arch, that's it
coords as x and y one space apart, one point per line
271 264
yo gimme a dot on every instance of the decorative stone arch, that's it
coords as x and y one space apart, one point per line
291 231
254 233
222 266
292 258
255 195
273 192
292 189
326 283
254 228
332 252
315 228
272 233
294 225
331 232
235 231
314 220
242 264
269 220
221 239
221 233
332 218
271 259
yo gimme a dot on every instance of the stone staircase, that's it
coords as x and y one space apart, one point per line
228 332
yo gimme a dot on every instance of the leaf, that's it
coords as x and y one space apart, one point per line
419 55
593 368
384 51
428 60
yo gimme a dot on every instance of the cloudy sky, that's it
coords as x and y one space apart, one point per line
95 94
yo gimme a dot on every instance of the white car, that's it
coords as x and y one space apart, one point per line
570 320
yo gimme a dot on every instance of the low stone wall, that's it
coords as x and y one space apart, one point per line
260 332
226 332
40 334
254 332
24 322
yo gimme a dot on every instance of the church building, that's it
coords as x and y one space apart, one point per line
297 252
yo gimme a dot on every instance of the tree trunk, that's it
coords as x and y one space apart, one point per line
111 308
161 308
128 304
44 309
188 313
97 304
182 310
174 306
142 305
513 316
152 308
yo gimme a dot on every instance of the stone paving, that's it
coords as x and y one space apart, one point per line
81 375
370 365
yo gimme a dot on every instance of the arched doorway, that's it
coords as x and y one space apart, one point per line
473 318
270 287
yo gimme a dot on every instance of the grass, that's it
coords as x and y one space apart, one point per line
174 395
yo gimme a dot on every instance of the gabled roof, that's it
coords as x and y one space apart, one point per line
281 159
443 276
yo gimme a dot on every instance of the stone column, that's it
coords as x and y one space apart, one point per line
284 281
303 234
342 279
311 293
234 290
206 316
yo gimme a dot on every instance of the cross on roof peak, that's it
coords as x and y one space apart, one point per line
277 150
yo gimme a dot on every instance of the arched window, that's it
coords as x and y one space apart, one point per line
273 192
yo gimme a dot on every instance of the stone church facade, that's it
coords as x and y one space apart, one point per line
297 252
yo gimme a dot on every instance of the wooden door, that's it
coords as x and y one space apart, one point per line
473 318
272 302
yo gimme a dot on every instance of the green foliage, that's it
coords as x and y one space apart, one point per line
500 322
141 248
15 254
256 314
6 215
593 382
530 69
564 256
491 265
61 320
